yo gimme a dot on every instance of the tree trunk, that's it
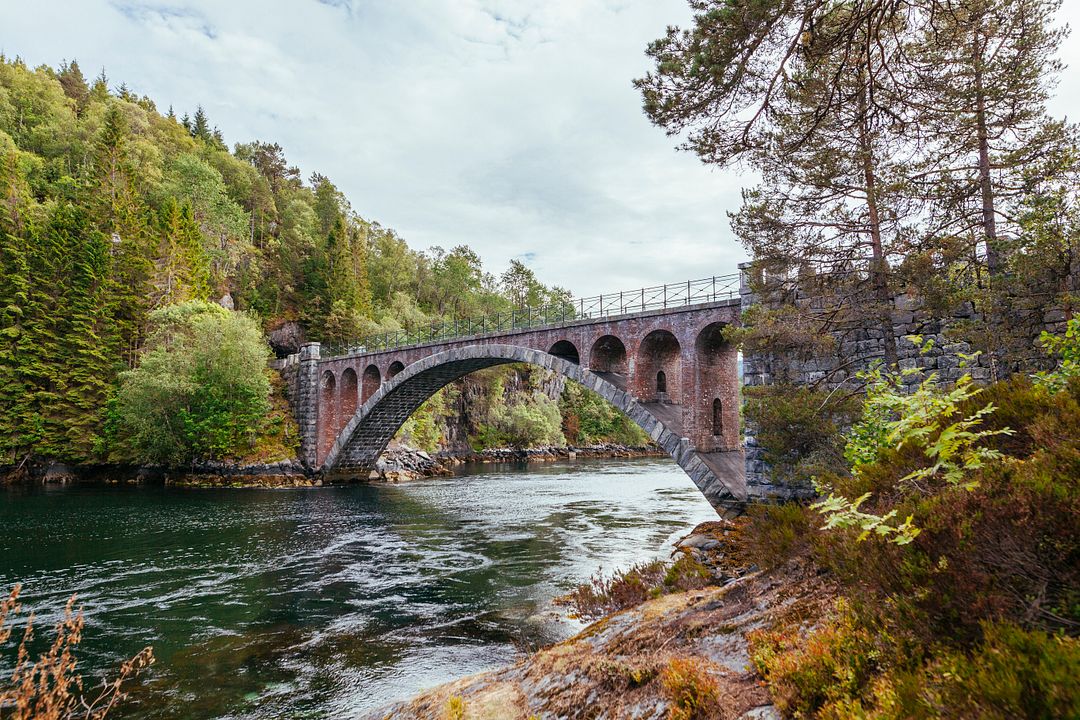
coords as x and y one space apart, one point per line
989 217
879 266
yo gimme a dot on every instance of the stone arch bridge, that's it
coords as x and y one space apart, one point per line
668 368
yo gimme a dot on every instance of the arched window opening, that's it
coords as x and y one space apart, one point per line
717 418
371 381
661 382
566 350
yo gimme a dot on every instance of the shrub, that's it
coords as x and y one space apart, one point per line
805 672
50 688
455 708
777 533
605 594
1013 673
800 430
692 691
200 390
977 615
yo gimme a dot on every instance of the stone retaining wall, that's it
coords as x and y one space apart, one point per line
856 348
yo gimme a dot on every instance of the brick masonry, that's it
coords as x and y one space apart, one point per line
350 407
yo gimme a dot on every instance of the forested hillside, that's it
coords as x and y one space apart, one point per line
114 210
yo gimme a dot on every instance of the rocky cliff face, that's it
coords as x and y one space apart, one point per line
470 399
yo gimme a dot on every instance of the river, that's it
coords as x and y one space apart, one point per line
329 602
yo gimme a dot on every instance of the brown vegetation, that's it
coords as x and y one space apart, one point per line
50 688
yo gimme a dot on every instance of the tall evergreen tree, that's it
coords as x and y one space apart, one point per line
123 218
200 126
985 69
15 283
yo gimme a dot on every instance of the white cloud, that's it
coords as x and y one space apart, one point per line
509 125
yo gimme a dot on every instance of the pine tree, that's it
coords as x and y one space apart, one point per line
183 271
200 127
985 71
99 91
74 84
807 92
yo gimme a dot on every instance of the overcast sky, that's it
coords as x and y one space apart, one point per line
511 126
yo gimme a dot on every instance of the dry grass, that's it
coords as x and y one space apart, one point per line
607 594
50 687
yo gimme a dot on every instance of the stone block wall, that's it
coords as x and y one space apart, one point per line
854 349
301 374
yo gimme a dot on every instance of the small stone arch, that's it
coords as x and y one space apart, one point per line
658 370
566 350
349 396
395 367
371 382
328 410
608 355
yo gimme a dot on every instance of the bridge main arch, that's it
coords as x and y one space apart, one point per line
367 433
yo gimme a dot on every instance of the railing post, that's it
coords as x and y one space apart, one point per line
714 288
642 299
620 303
687 292
665 297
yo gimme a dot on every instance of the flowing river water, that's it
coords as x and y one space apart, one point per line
330 602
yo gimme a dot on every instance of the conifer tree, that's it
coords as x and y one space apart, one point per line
74 84
122 217
200 126
985 69
183 271
14 306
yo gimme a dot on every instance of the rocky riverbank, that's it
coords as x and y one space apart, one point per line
285 473
409 464
649 661
395 465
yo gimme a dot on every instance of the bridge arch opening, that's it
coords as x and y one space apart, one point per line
566 350
371 382
368 432
350 395
659 364
608 355
328 406
716 389
395 367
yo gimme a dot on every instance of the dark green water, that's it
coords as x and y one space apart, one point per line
330 602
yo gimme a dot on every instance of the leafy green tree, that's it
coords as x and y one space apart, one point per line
200 391
224 224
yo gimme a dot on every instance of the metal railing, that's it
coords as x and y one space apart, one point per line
658 297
